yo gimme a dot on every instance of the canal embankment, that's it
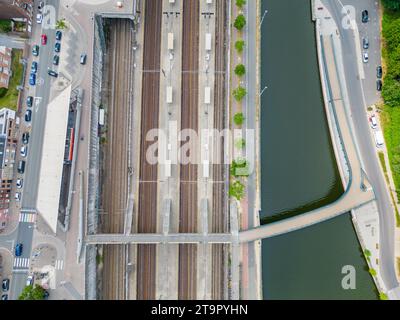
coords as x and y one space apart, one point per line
299 170
365 219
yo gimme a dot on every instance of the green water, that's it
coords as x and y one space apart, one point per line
299 171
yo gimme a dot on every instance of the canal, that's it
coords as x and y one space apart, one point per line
299 171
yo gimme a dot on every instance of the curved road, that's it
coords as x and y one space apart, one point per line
359 94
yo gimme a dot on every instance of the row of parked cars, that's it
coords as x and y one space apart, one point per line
365 43
56 57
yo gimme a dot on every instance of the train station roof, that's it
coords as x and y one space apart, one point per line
51 166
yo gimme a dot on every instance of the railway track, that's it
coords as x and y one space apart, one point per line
188 173
147 216
115 175
219 217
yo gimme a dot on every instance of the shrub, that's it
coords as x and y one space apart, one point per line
239 45
240 143
238 118
240 3
239 93
236 190
240 168
240 70
240 22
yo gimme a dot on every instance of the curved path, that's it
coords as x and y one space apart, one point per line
358 191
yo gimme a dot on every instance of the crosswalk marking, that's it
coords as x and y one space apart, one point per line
59 264
21 263
27 217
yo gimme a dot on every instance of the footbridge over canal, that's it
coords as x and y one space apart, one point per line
357 192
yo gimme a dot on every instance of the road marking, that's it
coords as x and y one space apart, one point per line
59 264
21 263
27 217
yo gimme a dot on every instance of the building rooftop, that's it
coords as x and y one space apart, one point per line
51 166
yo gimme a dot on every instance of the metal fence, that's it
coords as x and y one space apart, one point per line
92 185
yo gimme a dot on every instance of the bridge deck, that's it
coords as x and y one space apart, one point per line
355 194
153 238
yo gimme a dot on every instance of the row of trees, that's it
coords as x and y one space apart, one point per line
239 166
392 4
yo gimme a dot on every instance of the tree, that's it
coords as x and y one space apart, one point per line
239 45
391 4
33 293
372 272
240 143
61 24
240 168
240 3
236 190
240 22
240 70
391 92
383 296
239 93
367 253
238 118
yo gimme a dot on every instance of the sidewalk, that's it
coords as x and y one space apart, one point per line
248 212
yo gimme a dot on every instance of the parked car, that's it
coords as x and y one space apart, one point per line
58 35
365 57
40 6
44 39
56 60
379 72
19 183
25 138
374 123
83 58
364 16
28 115
57 47
379 85
365 43
52 73
4 296
29 280
21 166
17 196
5 285
34 67
29 101
35 50
32 79
18 249
24 151
39 18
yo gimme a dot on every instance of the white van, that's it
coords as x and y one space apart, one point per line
379 138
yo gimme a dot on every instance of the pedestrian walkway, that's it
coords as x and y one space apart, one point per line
21 263
27 217
59 264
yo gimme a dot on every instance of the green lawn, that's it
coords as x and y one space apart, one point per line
9 97
390 115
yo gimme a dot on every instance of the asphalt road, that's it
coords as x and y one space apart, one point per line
362 93
250 55
41 93
24 236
